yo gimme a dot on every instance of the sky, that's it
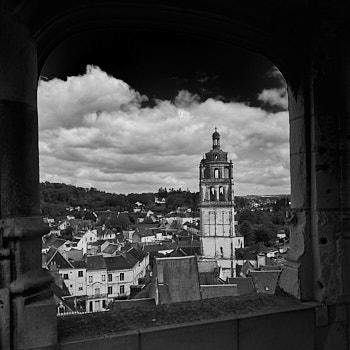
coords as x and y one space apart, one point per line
125 114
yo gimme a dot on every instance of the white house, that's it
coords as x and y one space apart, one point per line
73 273
96 283
124 270
85 238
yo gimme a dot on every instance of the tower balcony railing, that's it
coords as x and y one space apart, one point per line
206 203
216 180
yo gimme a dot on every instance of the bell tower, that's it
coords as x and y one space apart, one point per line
216 186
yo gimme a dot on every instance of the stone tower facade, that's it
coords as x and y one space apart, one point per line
218 237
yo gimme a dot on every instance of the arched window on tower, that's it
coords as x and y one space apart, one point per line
216 173
221 194
212 193
206 173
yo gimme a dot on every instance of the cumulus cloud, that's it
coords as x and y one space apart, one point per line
94 132
277 96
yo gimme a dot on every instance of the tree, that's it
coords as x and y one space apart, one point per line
266 234
123 220
245 215
246 230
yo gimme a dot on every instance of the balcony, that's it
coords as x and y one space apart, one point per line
216 180
217 203
259 322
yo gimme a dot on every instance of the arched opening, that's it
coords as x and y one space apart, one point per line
311 122
104 142
212 194
221 193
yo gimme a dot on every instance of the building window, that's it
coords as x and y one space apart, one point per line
109 277
65 276
90 279
103 278
110 290
121 277
216 173
80 273
212 193
80 288
122 290
97 291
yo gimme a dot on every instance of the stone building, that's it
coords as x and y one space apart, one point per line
309 42
217 215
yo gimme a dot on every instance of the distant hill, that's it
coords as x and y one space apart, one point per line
56 197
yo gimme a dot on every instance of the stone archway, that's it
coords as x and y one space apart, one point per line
312 57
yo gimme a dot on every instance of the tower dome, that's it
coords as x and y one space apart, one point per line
216 139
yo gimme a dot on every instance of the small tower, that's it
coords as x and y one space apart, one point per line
218 237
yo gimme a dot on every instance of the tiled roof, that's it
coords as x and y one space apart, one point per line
159 246
54 243
137 254
120 262
110 249
79 264
145 233
95 262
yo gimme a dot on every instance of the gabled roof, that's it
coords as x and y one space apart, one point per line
178 252
247 266
60 261
106 231
95 262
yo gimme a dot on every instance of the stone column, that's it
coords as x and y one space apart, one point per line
28 313
318 266
296 277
